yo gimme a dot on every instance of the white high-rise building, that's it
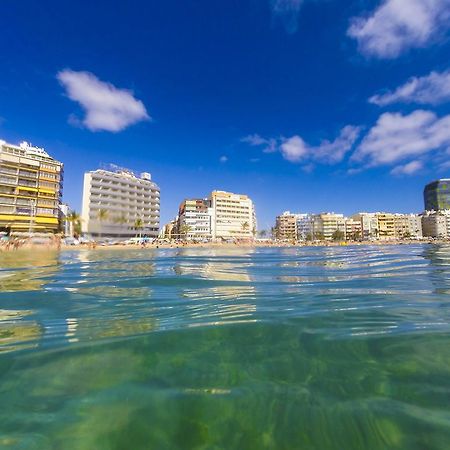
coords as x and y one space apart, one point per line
195 219
117 203
233 216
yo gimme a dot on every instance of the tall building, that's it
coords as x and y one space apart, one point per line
386 226
353 229
369 224
436 195
119 204
30 189
195 219
233 216
407 226
304 227
436 224
325 225
286 226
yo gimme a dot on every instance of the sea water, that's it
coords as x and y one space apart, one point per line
226 348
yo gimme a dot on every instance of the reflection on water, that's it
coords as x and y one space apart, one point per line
317 348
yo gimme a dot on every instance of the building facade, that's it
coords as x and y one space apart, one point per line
436 195
327 225
119 204
195 219
286 226
436 224
30 189
233 216
304 227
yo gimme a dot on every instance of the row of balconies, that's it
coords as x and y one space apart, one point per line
96 184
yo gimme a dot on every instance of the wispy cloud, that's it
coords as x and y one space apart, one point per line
432 89
287 11
106 107
223 159
399 25
408 169
295 149
255 140
396 137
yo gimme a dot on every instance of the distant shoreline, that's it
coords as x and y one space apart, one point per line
252 245
211 245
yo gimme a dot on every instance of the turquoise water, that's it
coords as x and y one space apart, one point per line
310 348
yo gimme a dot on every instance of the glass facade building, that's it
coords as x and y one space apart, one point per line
437 195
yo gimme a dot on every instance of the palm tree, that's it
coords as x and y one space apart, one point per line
75 223
263 233
245 226
138 225
102 216
184 230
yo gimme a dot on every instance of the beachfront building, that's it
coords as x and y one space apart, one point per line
407 226
369 224
195 219
30 189
286 226
386 226
328 226
436 195
353 229
233 216
169 230
436 224
304 227
119 204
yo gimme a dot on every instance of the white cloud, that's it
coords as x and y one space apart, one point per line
106 107
296 149
431 89
255 140
407 169
223 159
287 11
399 25
396 137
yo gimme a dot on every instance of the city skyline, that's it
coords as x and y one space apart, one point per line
305 106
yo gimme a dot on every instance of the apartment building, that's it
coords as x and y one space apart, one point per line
286 226
436 224
407 226
304 227
195 219
386 226
119 204
233 216
30 189
369 224
353 229
326 225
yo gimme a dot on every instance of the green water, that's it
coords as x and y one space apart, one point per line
315 348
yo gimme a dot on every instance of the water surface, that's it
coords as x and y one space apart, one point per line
293 348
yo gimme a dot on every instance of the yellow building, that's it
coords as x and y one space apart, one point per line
30 189
386 226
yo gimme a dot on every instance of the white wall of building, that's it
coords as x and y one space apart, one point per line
125 198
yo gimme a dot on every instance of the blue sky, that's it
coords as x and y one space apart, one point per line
306 105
